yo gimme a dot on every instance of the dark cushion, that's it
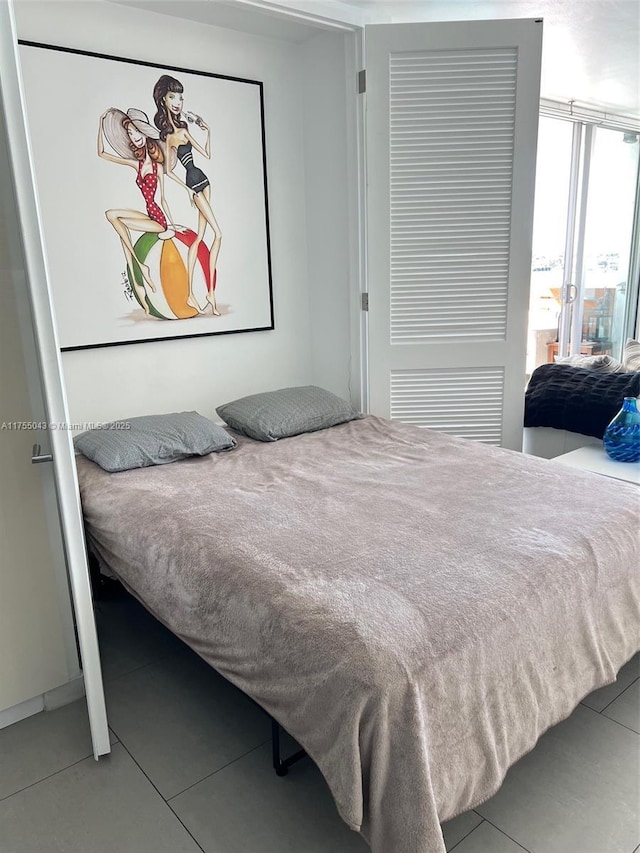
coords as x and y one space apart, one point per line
578 400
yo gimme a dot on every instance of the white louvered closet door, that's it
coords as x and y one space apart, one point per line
451 127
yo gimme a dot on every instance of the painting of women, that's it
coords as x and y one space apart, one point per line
136 144
154 165
173 127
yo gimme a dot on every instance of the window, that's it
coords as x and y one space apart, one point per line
584 288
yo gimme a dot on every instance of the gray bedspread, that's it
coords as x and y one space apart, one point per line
416 610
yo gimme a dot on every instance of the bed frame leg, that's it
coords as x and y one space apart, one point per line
281 765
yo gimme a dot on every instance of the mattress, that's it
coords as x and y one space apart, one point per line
415 609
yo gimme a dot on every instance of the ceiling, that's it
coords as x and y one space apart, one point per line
263 19
591 48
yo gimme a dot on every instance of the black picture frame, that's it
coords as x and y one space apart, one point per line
177 246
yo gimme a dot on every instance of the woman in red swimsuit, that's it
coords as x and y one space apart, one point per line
135 141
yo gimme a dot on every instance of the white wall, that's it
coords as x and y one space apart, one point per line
331 230
124 381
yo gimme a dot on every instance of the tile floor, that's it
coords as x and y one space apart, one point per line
190 770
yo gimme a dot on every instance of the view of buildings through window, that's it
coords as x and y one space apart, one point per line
599 268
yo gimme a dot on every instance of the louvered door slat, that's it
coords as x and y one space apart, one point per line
451 113
444 94
464 402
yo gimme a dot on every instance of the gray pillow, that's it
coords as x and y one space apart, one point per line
289 411
631 356
599 363
152 440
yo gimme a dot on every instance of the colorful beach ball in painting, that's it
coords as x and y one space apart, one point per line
167 262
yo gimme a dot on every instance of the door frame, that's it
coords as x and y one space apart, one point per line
48 352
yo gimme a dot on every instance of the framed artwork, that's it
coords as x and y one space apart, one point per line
153 197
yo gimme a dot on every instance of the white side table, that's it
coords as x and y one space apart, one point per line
595 459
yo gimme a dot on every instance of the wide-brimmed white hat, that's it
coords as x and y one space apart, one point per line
117 136
141 121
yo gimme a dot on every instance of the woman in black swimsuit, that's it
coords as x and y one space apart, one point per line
167 94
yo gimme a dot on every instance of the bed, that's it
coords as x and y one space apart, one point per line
415 609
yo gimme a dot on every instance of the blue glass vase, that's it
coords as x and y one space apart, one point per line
622 436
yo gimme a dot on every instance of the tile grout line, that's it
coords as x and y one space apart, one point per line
163 799
495 826
44 778
629 686
213 773
633 731
111 679
451 849
582 702
611 720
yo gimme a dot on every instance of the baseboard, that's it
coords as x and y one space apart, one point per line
49 701
19 712
64 694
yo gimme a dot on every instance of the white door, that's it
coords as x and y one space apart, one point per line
51 373
38 650
451 128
